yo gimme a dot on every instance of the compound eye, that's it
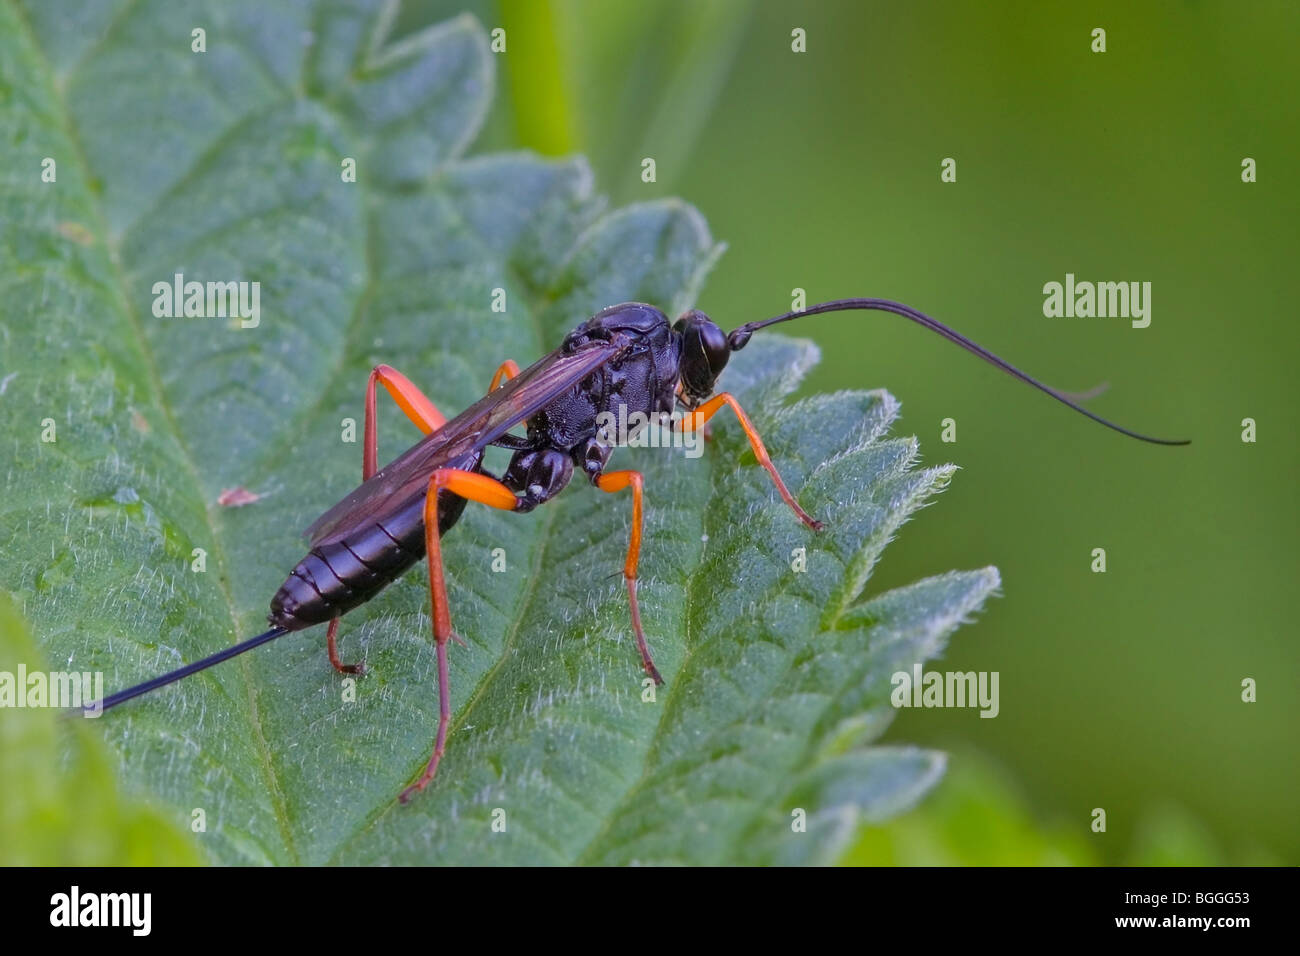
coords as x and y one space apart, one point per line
713 342
704 352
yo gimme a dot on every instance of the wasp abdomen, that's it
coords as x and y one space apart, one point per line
341 574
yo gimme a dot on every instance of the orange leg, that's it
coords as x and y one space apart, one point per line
413 402
426 417
473 487
696 419
616 481
409 399
507 370
417 407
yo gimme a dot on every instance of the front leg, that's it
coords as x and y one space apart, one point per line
699 419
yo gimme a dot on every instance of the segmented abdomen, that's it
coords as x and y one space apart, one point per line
341 574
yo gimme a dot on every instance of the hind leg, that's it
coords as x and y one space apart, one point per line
426 417
613 481
473 487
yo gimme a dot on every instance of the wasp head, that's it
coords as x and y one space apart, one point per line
705 351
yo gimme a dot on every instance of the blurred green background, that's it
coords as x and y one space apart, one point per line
822 171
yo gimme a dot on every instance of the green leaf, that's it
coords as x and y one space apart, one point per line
225 166
975 819
69 811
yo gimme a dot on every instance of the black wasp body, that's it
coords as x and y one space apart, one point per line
566 434
624 367
639 386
